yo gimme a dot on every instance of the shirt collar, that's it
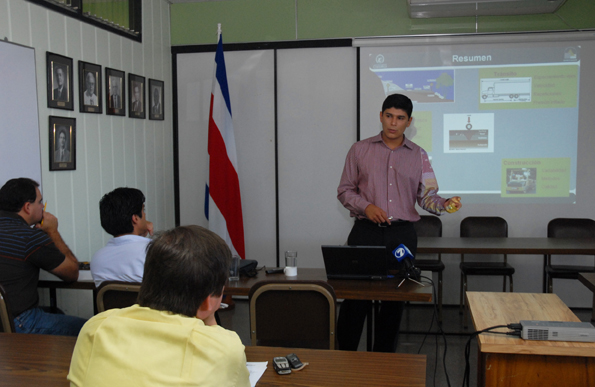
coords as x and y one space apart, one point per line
406 142
13 215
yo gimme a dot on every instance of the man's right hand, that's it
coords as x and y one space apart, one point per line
48 223
376 214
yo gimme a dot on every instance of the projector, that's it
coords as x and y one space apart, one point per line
557 331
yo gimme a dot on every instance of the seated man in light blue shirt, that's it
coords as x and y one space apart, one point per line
122 214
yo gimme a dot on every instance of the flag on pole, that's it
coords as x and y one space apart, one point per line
223 204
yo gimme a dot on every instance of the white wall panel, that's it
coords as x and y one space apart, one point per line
316 117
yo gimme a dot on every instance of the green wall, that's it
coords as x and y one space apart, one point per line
246 21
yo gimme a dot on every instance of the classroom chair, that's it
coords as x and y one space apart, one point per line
6 318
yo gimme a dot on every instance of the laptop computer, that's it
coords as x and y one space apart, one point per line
355 262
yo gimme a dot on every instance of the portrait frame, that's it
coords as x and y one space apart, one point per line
59 97
115 83
90 103
136 110
65 160
156 106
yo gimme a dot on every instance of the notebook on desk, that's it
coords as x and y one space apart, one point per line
355 262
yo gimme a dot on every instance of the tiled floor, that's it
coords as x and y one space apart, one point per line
416 322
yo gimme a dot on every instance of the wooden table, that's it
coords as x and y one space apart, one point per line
508 361
386 290
42 360
588 279
523 246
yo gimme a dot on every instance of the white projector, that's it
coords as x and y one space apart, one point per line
557 331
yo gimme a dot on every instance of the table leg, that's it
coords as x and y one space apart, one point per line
53 300
593 310
370 327
544 276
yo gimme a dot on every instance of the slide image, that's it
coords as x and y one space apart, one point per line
541 177
469 133
521 180
500 90
421 86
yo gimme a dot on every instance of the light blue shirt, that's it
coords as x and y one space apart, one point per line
122 259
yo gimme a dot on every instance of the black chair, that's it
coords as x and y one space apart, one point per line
431 226
483 227
568 228
298 314
116 294
6 318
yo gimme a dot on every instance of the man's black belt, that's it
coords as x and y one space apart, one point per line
393 222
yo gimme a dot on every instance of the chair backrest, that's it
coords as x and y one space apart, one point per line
300 314
571 228
116 294
428 226
484 227
6 318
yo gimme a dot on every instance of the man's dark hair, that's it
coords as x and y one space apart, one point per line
183 267
117 208
16 192
398 101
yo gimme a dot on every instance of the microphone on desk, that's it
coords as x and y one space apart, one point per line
404 256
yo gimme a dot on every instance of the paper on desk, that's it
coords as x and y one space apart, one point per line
256 370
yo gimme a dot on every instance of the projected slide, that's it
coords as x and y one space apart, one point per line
499 121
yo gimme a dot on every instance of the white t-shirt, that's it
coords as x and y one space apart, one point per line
122 259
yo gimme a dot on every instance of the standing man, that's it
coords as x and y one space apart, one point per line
24 250
60 93
136 104
89 96
122 213
115 100
62 154
156 108
382 179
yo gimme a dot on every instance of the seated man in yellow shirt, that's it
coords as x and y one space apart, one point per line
170 338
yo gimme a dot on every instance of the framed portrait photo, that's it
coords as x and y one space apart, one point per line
62 132
155 99
59 78
136 99
90 100
115 92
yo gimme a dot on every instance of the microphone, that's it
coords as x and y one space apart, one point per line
404 256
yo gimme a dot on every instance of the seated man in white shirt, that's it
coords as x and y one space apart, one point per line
122 214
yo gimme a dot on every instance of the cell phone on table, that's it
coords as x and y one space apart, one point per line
281 365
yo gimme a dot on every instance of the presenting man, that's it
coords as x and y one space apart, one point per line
24 250
123 216
170 338
384 176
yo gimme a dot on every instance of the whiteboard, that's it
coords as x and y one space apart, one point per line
20 154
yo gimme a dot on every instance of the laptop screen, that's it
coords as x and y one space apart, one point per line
355 262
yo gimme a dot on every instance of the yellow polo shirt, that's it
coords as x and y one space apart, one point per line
138 346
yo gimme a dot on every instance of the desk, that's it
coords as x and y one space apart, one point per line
43 360
588 279
50 281
525 246
510 361
385 290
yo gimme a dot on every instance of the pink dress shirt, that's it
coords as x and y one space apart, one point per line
390 179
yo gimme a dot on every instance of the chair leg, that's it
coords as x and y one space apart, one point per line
511 288
550 284
465 306
503 284
461 296
440 297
